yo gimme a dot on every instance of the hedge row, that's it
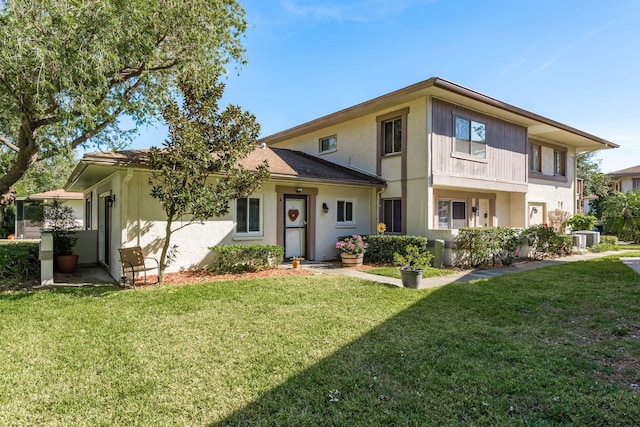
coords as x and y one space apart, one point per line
19 265
489 245
381 248
241 258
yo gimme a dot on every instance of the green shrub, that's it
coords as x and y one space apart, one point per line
19 265
581 221
486 245
544 241
607 243
415 258
381 248
241 258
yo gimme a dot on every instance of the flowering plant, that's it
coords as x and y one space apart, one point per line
354 244
381 228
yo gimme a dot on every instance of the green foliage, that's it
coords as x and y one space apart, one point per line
609 240
70 69
581 221
545 242
241 258
60 220
47 174
7 220
19 264
594 181
203 142
415 258
622 215
480 246
381 248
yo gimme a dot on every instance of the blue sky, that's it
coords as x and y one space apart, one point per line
577 62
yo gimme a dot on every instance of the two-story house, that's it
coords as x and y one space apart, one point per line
627 179
425 160
451 157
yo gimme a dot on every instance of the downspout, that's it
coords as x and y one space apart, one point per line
124 205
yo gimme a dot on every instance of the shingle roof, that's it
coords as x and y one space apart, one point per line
633 170
56 194
283 163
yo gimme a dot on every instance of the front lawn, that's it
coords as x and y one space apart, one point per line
557 345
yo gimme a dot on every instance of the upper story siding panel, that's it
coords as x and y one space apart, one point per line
506 147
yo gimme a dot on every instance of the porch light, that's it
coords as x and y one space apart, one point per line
110 200
299 190
325 208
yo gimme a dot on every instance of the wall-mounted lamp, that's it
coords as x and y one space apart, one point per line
299 190
110 200
325 208
474 210
534 210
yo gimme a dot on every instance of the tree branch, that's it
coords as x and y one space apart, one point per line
5 141
91 133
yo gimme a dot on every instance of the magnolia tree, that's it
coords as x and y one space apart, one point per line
70 70
203 142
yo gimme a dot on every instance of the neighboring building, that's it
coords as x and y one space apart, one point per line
627 179
451 157
425 160
29 209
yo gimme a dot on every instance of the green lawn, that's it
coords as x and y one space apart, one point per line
558 345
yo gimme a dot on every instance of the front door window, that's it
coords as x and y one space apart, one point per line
295 226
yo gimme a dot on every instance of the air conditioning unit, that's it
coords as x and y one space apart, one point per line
593 237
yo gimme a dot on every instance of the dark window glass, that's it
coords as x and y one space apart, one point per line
241 215
392 215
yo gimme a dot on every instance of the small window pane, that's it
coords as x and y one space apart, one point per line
478 149
443 214
388 214
462 129
459 210
328 144
254 214
397 216
348 214
340 211
477 132
534 158
397 136
241 215
462 146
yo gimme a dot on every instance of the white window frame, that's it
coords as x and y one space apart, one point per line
250 234
353 213
331 149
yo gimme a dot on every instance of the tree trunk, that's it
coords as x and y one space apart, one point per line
27 156
165 249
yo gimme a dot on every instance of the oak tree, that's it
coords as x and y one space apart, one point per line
70 70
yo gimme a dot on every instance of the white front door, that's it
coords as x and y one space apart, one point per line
295 226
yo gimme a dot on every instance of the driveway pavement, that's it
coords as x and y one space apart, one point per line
467 275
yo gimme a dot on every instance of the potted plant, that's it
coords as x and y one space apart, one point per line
60 221
351 249
412 265
295 261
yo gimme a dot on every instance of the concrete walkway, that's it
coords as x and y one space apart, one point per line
467 275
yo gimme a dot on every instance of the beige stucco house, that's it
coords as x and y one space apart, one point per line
427 160
451 157
296 208
627 179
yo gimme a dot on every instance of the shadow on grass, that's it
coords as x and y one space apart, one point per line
493 352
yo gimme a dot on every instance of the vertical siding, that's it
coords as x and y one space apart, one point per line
506 158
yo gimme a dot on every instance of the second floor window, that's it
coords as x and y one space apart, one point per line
248 215
392 136
470 138
329 143
535 158
559 163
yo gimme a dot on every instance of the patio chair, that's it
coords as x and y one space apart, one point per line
134 265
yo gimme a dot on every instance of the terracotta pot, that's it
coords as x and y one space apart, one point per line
295 264
66 263
352 260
